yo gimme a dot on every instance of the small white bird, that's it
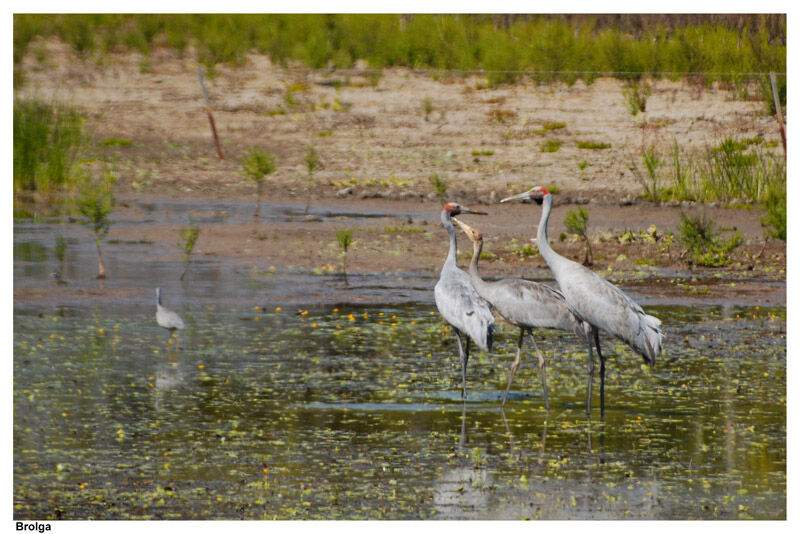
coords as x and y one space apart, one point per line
165 317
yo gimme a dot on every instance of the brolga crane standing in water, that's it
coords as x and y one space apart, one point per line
458 302
596 301
167 318
523 303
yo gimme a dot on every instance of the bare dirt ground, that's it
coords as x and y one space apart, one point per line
379 146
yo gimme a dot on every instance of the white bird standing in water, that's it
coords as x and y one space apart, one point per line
458 302
596 301
523 303
167 318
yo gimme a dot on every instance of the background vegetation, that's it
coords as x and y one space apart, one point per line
565 47
52 149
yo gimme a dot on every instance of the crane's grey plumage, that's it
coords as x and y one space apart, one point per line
524 303
165 317
457 300
596 301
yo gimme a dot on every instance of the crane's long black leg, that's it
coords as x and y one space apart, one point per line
464 369
591 377
515 365
542 370
602 374
463 359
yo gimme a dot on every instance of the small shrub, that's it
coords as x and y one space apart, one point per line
704 245
576 222
551 145
186 244
635 98
525 250
313 162
483 152
96 202
427 107
344 238
257 164
583 164
554 125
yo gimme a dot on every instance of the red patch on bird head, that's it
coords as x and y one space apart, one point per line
452 208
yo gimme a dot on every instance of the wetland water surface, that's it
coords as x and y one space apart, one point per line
349 406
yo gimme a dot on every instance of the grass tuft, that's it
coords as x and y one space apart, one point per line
49 146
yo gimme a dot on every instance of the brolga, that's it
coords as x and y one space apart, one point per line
167 318
596 301
458 302
523 303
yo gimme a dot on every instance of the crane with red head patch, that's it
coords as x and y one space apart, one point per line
458 302
595 300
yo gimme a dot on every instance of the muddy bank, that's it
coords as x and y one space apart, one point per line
398 248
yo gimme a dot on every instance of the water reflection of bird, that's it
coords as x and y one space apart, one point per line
596 301
58 278
458 302
463 491
525 304
167 318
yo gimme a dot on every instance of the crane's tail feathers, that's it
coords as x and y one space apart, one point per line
652 339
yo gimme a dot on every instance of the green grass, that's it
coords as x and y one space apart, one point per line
774 221
549 127
49 144
635 96
591 145
733 171
551 145
116 141
483 152
547 46
403 230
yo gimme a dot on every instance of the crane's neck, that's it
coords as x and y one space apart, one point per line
477 282
545 249
158 296
450 262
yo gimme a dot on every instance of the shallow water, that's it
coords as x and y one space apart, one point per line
290 395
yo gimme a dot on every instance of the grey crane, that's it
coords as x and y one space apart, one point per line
167 318
596 301
524 303
457 300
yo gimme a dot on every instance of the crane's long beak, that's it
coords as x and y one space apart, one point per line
521 196
473 233
465 209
